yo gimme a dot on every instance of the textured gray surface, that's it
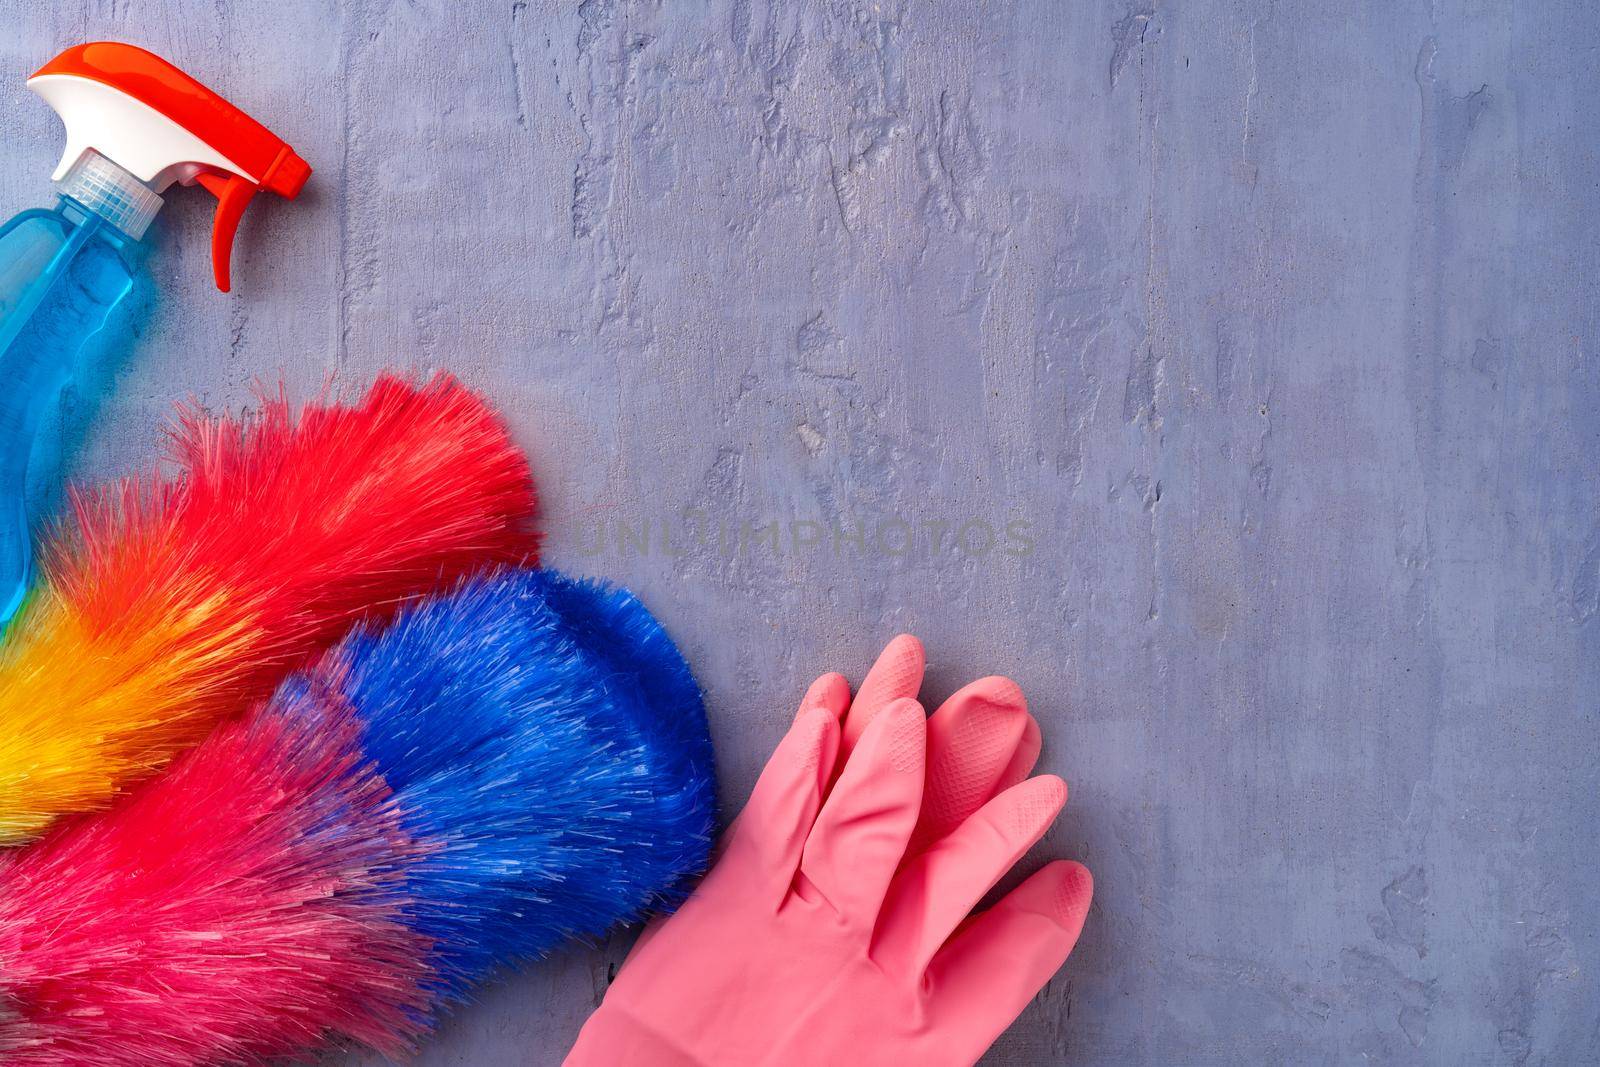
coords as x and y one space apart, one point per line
1274 323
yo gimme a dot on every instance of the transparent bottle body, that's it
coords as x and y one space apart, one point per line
62 271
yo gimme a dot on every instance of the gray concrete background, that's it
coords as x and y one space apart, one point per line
1274 325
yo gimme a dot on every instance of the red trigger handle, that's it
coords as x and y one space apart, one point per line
233 195
247 157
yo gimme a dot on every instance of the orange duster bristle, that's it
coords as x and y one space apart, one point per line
172 606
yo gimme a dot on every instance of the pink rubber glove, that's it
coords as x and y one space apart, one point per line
835 927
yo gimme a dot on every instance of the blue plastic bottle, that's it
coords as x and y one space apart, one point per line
62 271
135 125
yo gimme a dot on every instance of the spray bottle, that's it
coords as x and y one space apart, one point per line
135 125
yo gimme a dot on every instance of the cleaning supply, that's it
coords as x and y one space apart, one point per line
135 124
518 763
546 740
821 937
173 605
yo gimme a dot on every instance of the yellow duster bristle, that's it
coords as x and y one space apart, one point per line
105 708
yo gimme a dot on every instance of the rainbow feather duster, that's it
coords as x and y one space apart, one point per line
173 605
523 761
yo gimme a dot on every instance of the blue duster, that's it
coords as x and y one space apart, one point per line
548 748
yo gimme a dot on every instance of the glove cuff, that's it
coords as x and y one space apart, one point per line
613 1038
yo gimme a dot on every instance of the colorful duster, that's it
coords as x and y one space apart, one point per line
171 606
521 762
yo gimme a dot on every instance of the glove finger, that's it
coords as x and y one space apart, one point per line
830 692
861 833
979 738
936 891
896 675
1025 756
1000 960
764 844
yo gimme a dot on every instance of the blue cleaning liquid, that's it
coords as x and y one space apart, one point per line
62 271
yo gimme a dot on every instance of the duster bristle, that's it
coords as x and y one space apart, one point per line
521 762
238 907
174 605
548 744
